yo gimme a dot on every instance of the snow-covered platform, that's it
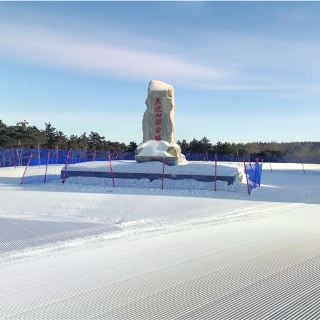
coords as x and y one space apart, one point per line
194 170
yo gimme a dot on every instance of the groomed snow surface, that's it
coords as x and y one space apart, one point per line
76 251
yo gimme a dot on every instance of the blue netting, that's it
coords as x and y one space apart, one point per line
253 171
20 157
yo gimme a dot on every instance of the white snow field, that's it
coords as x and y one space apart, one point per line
75 251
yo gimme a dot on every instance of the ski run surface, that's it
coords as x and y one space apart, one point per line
76 251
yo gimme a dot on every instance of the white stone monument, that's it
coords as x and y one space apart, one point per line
159 140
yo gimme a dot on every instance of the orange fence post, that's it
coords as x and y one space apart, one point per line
25 170
65 167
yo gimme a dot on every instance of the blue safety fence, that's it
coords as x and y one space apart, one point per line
253 171
20 156
208 156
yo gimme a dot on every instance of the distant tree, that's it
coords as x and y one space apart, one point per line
115 146
95 141
76 142
61 140
195 146
131 147
205 144
4 139
23 135
184 145
51 136
223 148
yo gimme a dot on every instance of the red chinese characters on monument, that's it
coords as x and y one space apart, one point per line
158 118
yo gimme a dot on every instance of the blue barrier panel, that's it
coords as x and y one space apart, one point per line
254 174
19 156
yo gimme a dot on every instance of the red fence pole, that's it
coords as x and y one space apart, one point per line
13 158
162 177
25 170
114 155
111 170
270 165
39 157
304 171
18 156
57 154
45 175
65 168
215 172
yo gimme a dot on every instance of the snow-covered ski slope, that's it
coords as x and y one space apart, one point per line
161 254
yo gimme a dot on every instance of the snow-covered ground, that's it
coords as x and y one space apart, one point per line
187 175
185 167
93 251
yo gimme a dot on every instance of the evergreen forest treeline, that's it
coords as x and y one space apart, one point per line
24 135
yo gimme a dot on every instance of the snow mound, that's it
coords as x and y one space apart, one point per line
154 148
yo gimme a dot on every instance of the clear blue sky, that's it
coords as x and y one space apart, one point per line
242 71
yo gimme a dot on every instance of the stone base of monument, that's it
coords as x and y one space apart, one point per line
171 161
153 170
